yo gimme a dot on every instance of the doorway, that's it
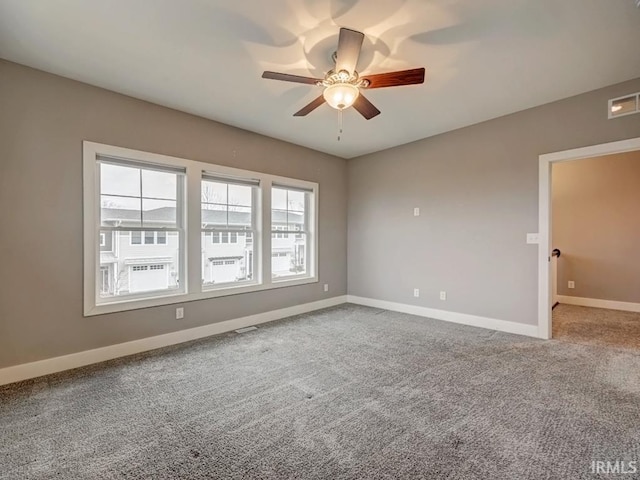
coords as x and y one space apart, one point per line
545 247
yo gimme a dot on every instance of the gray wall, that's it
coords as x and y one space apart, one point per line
596 225
477 189
43 120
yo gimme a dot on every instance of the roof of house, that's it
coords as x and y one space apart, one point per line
165 215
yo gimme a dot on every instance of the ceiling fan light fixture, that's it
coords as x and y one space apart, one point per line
341 95
342 84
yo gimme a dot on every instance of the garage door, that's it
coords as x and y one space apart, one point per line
280 263
143 278
223 271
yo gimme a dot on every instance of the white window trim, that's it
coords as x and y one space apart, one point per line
228 230
192 281
310 229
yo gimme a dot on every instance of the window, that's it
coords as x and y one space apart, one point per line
279 228
106 242
227 217
135 200
290 235
104 280
224 237
140 208
148 238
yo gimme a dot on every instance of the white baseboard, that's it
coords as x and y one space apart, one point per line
463 318
598 303
88 357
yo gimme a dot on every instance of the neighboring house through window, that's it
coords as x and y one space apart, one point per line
135 242
228 217
148 238
290 225
226 237
105 280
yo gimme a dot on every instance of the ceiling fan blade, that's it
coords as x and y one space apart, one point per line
310 108
285 77
396 79
365 107
349 45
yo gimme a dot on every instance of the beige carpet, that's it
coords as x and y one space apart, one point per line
596 326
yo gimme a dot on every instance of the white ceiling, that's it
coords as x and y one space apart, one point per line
484 58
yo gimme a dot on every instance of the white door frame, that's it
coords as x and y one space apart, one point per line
544 217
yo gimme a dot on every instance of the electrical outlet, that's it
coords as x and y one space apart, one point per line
179 313
416 292
571 284
416 212
326 287
533 238
443 295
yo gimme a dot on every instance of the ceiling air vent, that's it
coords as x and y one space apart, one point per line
626 105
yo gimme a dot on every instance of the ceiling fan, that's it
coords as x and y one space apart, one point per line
342 85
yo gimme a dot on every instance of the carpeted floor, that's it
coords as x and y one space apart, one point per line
345 393
596 326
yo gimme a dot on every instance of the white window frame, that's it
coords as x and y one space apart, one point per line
229 231
191 275
106 155
310 230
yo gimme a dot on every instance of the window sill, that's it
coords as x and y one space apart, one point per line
136 304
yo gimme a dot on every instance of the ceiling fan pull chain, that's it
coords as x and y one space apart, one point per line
339 124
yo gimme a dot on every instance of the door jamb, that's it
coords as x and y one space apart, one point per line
544 216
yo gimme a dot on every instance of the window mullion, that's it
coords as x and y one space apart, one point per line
193 227
97 220
141 204
311 230
267 228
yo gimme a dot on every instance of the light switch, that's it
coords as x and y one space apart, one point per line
533 238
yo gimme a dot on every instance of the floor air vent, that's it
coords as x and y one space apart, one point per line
246 329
